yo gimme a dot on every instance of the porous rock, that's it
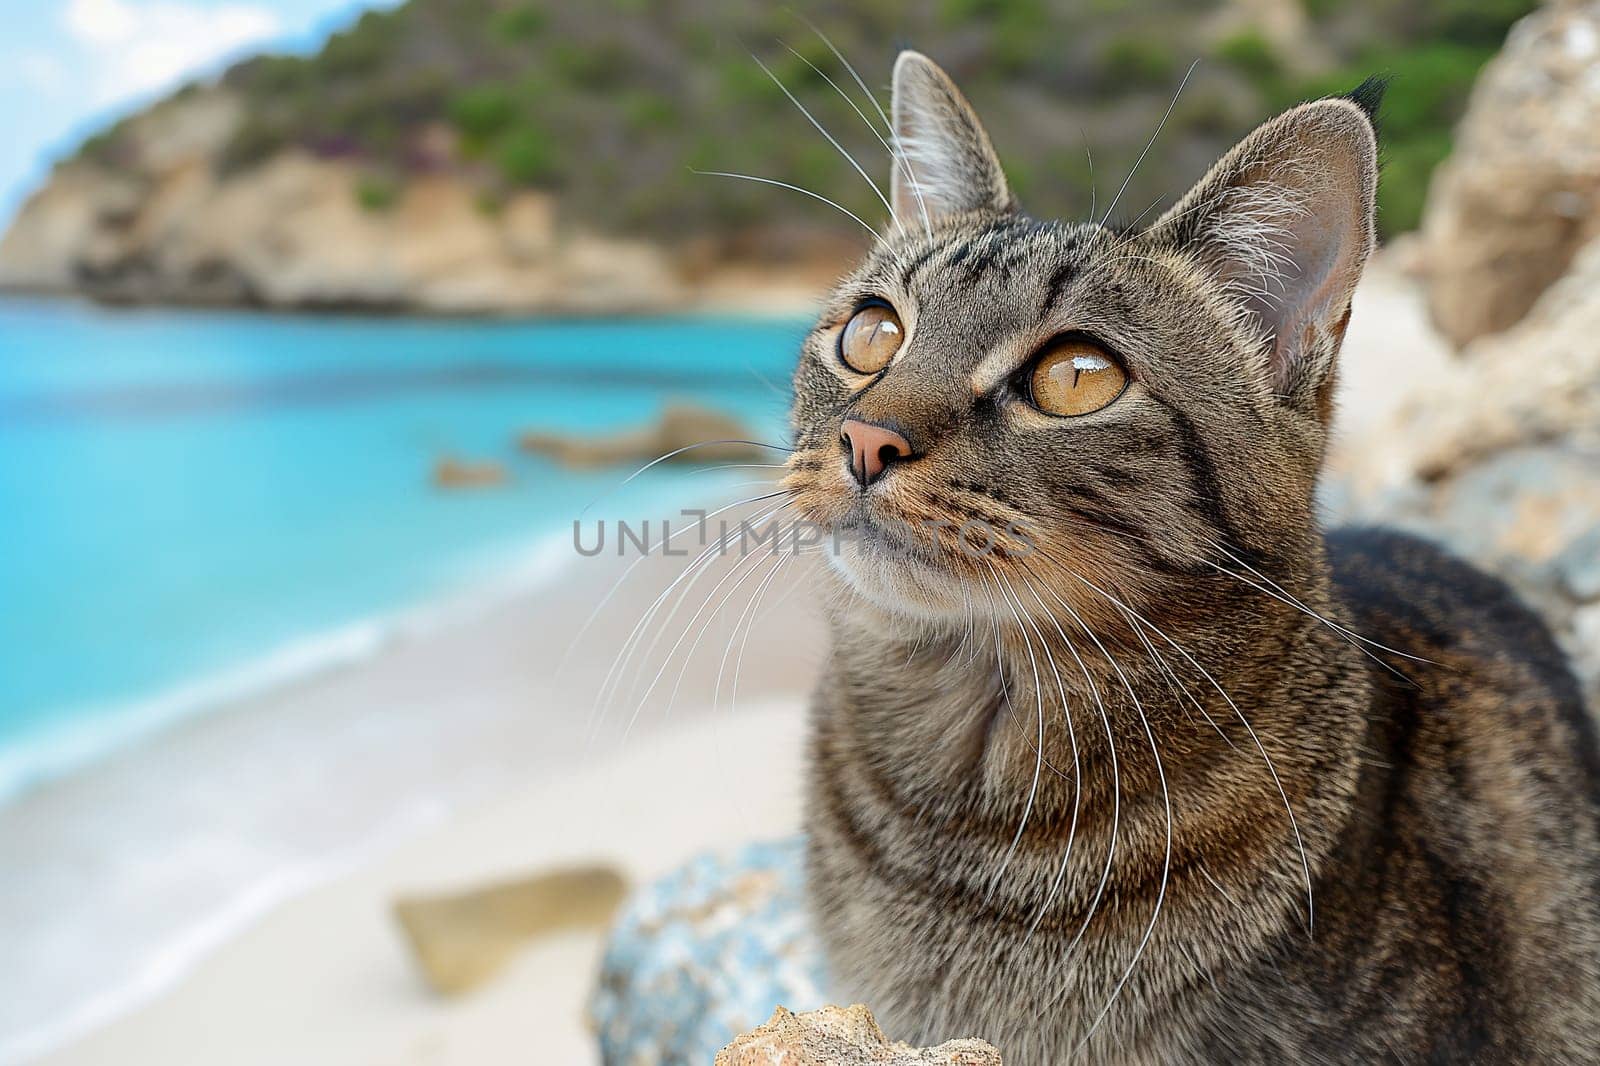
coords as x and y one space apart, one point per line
843 1036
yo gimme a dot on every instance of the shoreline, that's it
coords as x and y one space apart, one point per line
72 740
798 300
196 831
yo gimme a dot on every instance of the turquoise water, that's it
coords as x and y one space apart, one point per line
194 503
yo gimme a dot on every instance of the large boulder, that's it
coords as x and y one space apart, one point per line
1499 457
1520 194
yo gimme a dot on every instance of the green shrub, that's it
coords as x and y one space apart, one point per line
649 111
377 192
519 24
362 49
257 139
527 157
1251 54
1138 61
482 112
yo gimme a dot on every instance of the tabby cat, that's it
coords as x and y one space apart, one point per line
1118 757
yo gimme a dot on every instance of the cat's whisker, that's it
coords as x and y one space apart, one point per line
1094 692
1038 765
690 573
1094 189
876 236
1166 800
688 656
899 150
1150 143
744 567
746 619
665 626
897 158
1294 824
612 591
1350 638
693 571
1180 691
674 453
1077 767
823 130
1336 626
1116 789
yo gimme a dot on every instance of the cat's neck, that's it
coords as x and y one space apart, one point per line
980 704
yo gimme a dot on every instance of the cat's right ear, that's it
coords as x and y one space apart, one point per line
946 164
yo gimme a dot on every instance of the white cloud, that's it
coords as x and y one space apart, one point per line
135 48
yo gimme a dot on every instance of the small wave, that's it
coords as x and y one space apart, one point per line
210 932
77 738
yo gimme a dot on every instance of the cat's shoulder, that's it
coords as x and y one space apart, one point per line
1404 581
1469 637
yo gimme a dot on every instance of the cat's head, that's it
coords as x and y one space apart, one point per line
1109 409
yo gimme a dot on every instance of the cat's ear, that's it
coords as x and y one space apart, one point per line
1284 223
947 165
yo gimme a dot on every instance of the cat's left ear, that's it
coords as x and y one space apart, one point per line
1284 222
946 164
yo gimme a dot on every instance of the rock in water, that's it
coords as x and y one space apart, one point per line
452 473
462 940
681 426
1520 193
843 1036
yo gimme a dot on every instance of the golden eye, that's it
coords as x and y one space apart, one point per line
1075 378
871 338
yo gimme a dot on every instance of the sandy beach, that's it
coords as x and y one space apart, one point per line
228 883
248 857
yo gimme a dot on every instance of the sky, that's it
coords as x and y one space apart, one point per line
69 67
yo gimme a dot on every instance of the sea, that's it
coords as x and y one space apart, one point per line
195 506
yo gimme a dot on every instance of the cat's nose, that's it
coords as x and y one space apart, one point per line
872 448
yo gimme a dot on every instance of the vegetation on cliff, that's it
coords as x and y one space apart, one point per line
611 104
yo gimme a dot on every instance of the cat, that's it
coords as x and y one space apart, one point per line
1116 757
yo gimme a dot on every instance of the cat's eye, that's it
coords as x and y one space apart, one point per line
871 338
1075 378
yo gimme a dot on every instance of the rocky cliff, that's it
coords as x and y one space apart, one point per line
527 155
301 231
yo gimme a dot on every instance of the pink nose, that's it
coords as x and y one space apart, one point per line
872 449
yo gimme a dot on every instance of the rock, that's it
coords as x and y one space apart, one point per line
1520 193
463 939
1578 566
1499 458
452 473
164 223
842 1036
1538 382
707 953
680 427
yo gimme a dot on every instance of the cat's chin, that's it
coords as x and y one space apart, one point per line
905 584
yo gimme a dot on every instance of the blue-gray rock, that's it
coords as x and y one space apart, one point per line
705 954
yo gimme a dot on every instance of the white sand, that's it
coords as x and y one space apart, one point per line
121 878
325 978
